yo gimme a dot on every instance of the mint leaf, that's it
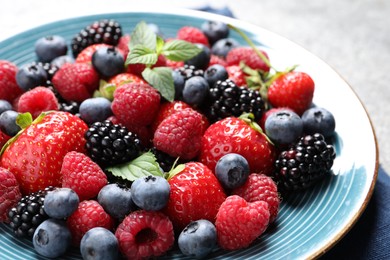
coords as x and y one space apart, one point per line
142 166
142 35
179 50
159 44
141 54
161 79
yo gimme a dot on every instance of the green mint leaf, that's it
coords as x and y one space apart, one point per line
142 54
142 166
159 44
179 50
161 79
142 35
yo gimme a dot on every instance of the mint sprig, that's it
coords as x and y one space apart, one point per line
161 79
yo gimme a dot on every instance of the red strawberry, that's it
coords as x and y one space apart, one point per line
36 155
9 89
192 35
260 187
174 64
123 45
167 109
85 56
88 215
82 175
124 78
76 82
214 59
234 135
195 194
248 56
145 234
294 90
236 74
37 100
135 104
239 222
9 193
138 67
180 134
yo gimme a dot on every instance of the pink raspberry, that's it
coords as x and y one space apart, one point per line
9 193
9 89
248 56
37 100
193 35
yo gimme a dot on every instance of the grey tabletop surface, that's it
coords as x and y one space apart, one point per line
352 36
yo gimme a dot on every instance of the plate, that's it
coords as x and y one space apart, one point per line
309 223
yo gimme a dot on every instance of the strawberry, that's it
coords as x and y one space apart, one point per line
88 215
76 82
174 64
234 135
180 134
3 139
37 100
35 156
82 175
85 56
123 78
260 187
193 35
239 222
248 56
9 89
145 234
9 193
123 45
195 194
294 90
167 109
137 68
236 75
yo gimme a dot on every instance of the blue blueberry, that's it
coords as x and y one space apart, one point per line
61 60
52 238
30 76
95 110
198 239
283 126
50 47
196 90
150 193
232 170
318 120
61 203
116 200
5 105
99 244
215 30
202 60
108 61
214 73
223 46
8 122
178 82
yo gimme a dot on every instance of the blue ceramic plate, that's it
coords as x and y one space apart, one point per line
309 223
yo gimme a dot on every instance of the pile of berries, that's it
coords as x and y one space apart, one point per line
96 155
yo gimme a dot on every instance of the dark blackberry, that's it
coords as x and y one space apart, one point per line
103 31
122 182
304 163
109 144
70 106
189 71
28 213
227 99
164 160
50 69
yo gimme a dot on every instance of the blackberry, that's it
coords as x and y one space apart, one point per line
304 163
164 160
110 144
69 106
227 99
189 71
103 31
26 216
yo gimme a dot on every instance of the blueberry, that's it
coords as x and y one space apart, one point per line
116 200
61 203
8 122
5 105
283 126
95 110
52 238
178 82
50 47
150 193
108 61
198 239
196 90
202 60
31 76
215 30
318 120
99 243
232 170
214 73
223 46
61 60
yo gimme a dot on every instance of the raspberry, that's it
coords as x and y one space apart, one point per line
167 109
214 59
9 89
144 234
88 215
249 57
9 193
236 75
123 44
124 78
239 222
37 100
138 68
193 35
260 187
82 175
85 56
